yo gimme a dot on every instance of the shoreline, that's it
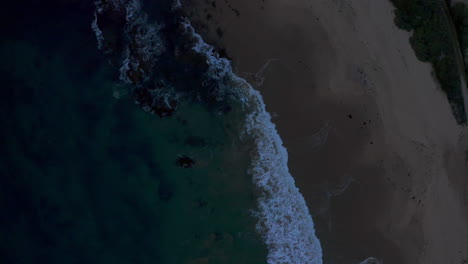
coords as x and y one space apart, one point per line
387 163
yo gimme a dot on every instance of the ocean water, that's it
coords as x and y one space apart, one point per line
127 139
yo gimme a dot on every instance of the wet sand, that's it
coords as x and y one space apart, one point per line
372 142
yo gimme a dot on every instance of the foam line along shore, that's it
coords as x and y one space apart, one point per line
283 218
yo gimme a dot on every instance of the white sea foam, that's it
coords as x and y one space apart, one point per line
371 260
219 68
97 32
176 4
283 217
146 43
129 63
145 39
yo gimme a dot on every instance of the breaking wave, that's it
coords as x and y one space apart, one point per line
283 218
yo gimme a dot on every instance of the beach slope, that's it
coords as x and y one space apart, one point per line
372 142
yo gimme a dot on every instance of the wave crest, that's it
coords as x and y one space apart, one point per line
283 217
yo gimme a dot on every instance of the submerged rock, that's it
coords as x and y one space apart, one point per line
185 162
164 110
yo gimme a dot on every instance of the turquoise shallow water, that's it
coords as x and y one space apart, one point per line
90 178
149 151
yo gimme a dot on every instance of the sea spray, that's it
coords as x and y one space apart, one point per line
283 217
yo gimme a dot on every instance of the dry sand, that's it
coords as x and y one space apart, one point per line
372 142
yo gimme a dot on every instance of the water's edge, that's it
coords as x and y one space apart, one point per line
284 221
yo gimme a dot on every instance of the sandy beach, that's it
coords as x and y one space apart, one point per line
373 145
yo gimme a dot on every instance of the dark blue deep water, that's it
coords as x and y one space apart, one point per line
87 176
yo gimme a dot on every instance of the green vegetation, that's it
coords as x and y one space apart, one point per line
459 12
433 42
